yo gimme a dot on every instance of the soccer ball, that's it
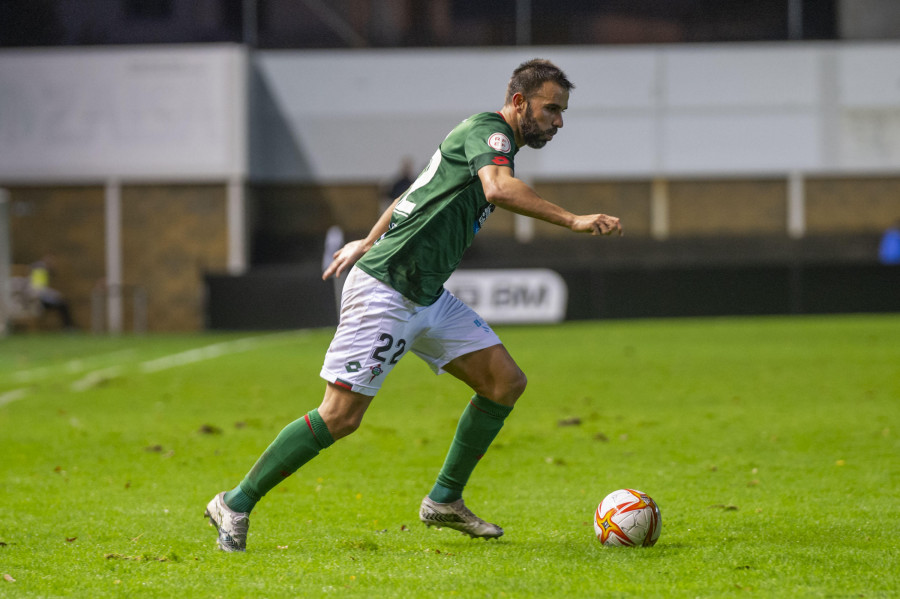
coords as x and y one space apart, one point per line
627 518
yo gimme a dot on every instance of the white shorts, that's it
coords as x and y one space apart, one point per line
378 326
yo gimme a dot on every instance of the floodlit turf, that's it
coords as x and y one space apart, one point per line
772 446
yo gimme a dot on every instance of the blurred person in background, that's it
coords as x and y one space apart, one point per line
51 299
404 179
394 302
889 248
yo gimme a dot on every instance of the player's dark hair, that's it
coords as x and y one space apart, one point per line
531 75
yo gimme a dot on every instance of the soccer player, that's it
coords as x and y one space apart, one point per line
394 302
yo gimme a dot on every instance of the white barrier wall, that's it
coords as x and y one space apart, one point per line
133 113
344 116
712 110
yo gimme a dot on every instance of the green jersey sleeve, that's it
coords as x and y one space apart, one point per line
489 141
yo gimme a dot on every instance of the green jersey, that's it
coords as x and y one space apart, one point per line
437 218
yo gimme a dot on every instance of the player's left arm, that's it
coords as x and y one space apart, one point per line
503 189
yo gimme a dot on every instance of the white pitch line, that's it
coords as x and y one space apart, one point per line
191 356
94 378
11 396
74 366
81 364
209 352
27 376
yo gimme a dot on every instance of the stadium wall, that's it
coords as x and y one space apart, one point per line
170 235
65 222
680 141
128 166
675 111
145 168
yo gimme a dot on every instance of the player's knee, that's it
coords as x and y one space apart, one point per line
342 410
344 425
510 388
518 384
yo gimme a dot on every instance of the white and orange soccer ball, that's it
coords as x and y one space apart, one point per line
627 518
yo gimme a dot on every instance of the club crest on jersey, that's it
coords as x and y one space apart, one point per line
499 142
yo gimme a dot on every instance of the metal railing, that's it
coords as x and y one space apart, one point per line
108 303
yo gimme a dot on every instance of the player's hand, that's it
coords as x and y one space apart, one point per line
345 257
597 224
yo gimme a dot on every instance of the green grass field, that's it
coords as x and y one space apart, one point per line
772 446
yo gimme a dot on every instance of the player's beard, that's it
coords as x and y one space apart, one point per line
532 134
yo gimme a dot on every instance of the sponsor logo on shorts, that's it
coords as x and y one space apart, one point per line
353 366
482 326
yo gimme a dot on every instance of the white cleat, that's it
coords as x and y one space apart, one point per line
232 526
457 516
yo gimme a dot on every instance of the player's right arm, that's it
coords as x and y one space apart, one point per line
503 189
347 256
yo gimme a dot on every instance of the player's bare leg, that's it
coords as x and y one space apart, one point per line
343 410
491 373
498 382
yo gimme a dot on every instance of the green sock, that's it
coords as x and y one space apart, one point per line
296 444
239 501
480 422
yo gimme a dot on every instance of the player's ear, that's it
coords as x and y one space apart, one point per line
520 102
